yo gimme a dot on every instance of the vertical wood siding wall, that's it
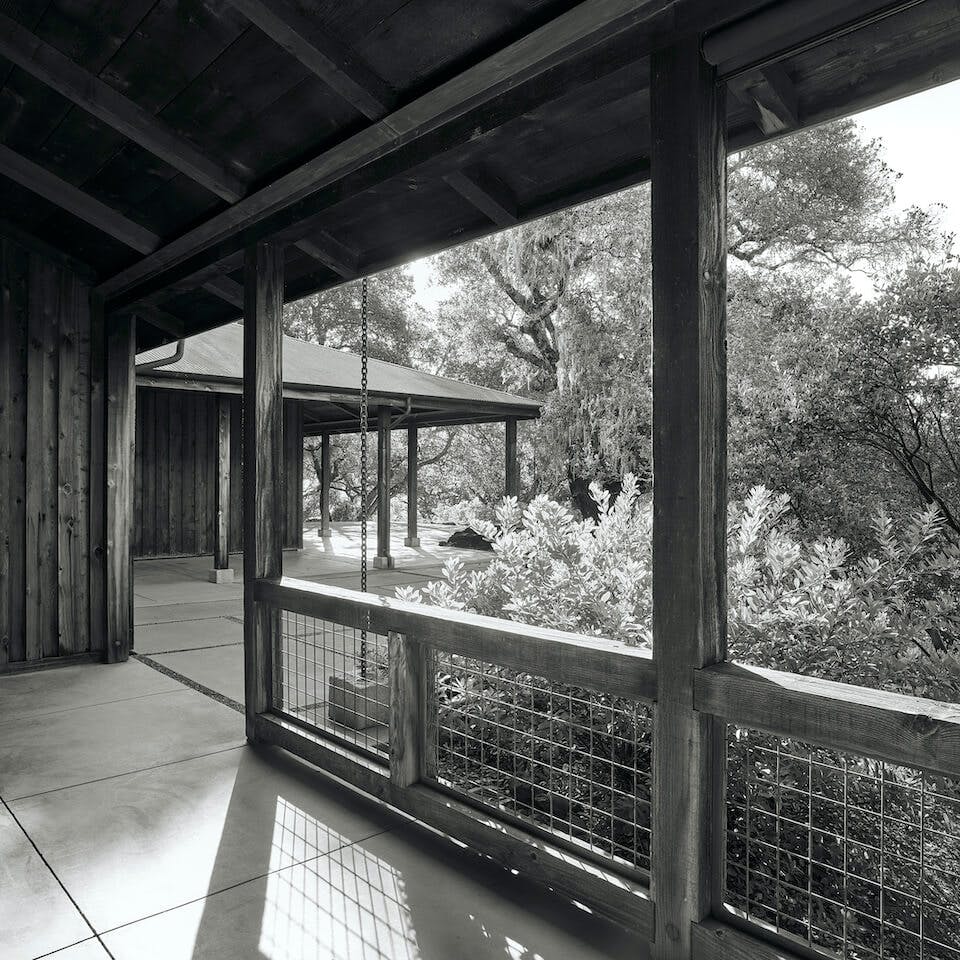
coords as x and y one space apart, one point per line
50 395
176 463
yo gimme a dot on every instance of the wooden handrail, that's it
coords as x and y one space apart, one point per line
606 665
878 724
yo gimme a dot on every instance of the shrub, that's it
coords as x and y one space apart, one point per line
888 618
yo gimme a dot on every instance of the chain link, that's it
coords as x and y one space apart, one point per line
364 424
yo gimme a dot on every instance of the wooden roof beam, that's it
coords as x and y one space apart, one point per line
522 72
333 254
77 203
487 193
313 46
51 67
771 97
90 210
226 289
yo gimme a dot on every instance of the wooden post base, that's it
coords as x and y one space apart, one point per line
323 534
383 563
411 541
220 576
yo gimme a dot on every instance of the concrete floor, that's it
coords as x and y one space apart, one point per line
137 823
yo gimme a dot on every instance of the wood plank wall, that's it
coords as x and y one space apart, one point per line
47 489
176 462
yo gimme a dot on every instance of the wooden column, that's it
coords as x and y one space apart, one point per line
689 506
262 466
325 486
413 462
511 465
121 396
383 560
221 572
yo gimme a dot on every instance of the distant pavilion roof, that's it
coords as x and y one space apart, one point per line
328 381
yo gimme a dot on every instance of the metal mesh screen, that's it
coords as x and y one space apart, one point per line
334 679
853 857
571 762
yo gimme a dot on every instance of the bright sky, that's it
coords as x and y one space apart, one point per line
921 139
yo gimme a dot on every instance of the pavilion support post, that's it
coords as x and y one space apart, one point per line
511 463
121 393
263 498
325 486
689 505
383 560
412 538
222 572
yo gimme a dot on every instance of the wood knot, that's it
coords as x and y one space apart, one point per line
673 932
923 725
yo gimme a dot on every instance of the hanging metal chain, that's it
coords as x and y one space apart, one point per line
364 423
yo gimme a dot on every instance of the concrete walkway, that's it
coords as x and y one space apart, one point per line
136 823
171 596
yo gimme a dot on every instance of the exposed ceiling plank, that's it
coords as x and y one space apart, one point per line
440 118
72 199
333 254
89 92
487 193
320 53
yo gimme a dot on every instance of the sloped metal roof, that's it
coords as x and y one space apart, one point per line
216 356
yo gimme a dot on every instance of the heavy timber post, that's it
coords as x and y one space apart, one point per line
689 455
221 572
325 485
511 465
262 465
383 560
413 457
121 396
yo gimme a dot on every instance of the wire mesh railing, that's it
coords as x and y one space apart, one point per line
571 762
334 679
853 858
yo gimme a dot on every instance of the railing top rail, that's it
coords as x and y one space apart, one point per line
877 724
605 665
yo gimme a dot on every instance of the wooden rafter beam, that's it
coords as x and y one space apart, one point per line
51 67
519 77
226 289
163 321
772 98
487 193
313 46
329 251
77 203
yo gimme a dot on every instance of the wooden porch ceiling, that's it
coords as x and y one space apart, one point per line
153 141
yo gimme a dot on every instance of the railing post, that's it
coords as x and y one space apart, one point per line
406 727
262 466
689 507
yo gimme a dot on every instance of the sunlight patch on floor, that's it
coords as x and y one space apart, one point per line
348 904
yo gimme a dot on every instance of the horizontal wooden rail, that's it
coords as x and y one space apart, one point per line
604 665
715 940
606 891
912 731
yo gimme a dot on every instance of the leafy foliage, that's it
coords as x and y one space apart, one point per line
889 617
